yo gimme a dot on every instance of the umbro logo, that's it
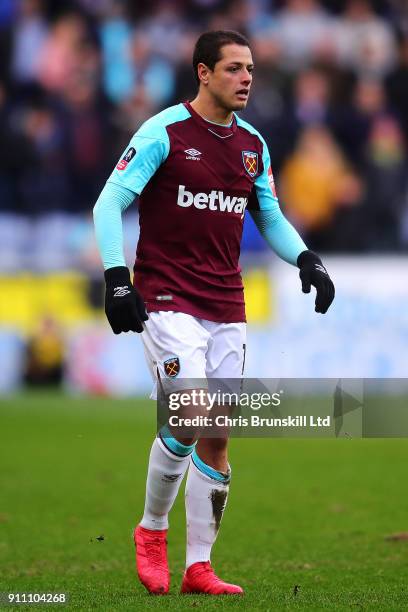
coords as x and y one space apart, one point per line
193 154
120 291
321 268
170 477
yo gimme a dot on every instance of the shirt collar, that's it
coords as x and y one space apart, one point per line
222 131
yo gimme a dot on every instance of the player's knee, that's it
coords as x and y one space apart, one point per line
217 444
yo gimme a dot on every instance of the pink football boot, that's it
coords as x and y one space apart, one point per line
200 578
151 559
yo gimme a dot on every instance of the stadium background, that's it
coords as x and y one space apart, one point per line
330 96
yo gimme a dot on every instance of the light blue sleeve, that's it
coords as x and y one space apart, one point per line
147 150
145 153
272 224
279 234
107 212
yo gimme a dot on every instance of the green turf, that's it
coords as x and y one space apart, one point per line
305 527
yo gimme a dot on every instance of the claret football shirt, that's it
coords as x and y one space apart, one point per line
195 180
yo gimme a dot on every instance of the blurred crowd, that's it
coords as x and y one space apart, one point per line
330 97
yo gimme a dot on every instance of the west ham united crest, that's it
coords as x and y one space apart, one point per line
250 160
172 367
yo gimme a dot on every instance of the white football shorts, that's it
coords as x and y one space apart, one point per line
180 348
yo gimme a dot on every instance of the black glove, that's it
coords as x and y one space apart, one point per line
124 307
313 272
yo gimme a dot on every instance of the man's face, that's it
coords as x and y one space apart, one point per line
230 81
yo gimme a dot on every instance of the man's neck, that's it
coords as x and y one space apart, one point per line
208 110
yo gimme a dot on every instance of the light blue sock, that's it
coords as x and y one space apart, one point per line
173 445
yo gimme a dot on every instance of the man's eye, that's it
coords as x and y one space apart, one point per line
237 68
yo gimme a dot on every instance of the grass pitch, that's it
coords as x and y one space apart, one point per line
306 526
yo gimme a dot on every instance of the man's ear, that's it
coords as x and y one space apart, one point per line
203 73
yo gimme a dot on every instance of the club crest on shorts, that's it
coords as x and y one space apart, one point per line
172 367
129 155
250 161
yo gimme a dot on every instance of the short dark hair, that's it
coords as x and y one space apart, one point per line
208 47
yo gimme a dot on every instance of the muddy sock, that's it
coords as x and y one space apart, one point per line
206 498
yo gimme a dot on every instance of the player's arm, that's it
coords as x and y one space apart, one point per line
283 238
124 307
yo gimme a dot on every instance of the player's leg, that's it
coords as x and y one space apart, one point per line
209 472
169 457
179 336
168 463
206 497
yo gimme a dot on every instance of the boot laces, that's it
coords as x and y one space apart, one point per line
205 568
155 550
